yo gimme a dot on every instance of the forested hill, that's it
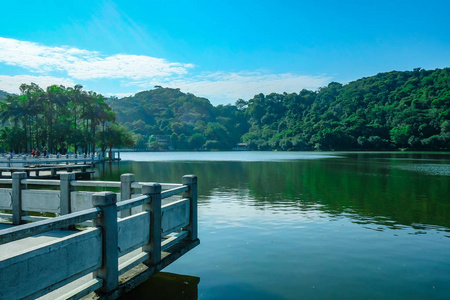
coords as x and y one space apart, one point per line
188 121
390 110
3 94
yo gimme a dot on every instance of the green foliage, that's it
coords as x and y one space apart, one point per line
400 135
3 94
185 120
116 135
58 118
387 111
197 141
12 139
140 142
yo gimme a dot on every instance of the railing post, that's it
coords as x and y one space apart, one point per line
191 181
126 191
16 197
154 206
109 271
65 189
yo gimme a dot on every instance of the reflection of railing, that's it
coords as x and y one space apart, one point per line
166 286
80 262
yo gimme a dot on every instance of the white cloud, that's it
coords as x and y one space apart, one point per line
11 84
138 72
83 64
221 87
126 66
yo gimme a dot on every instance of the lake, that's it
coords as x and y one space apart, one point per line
311 225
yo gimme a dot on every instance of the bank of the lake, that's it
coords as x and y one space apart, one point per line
292 225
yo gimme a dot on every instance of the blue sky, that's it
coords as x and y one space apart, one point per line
221 50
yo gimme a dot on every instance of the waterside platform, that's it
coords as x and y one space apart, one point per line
21 160
50 166
102 244
47 171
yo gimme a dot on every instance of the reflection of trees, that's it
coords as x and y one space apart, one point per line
370 189
367 189
211 174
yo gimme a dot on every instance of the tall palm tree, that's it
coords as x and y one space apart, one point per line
56 98
30 102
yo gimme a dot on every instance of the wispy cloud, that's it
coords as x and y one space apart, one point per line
222 87
11 84
123 74
118 95
83 64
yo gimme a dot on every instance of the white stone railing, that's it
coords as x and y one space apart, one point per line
93 259
21 160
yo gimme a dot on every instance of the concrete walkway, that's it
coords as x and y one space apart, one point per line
23 245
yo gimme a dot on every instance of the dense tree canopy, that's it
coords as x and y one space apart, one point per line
58 118
387 111
3 94
167 118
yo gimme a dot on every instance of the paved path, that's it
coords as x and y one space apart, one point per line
20 246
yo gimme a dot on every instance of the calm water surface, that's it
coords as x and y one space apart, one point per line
293 225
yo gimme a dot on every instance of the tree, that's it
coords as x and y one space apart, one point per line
54 118
388 110
117 135
141 142
400 135
12 139
197 141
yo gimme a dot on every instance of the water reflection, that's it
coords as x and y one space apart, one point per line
386 189
331 228
431 169
166 286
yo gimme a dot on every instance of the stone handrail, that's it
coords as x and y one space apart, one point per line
108 249
20 199
27 159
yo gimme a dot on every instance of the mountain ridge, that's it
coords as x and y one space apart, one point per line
390 110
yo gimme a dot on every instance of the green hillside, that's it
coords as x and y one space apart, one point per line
3 94
390 110
189 122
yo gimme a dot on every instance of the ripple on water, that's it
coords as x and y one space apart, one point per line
431 169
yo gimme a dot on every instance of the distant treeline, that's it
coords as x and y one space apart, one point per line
60 119
387 111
